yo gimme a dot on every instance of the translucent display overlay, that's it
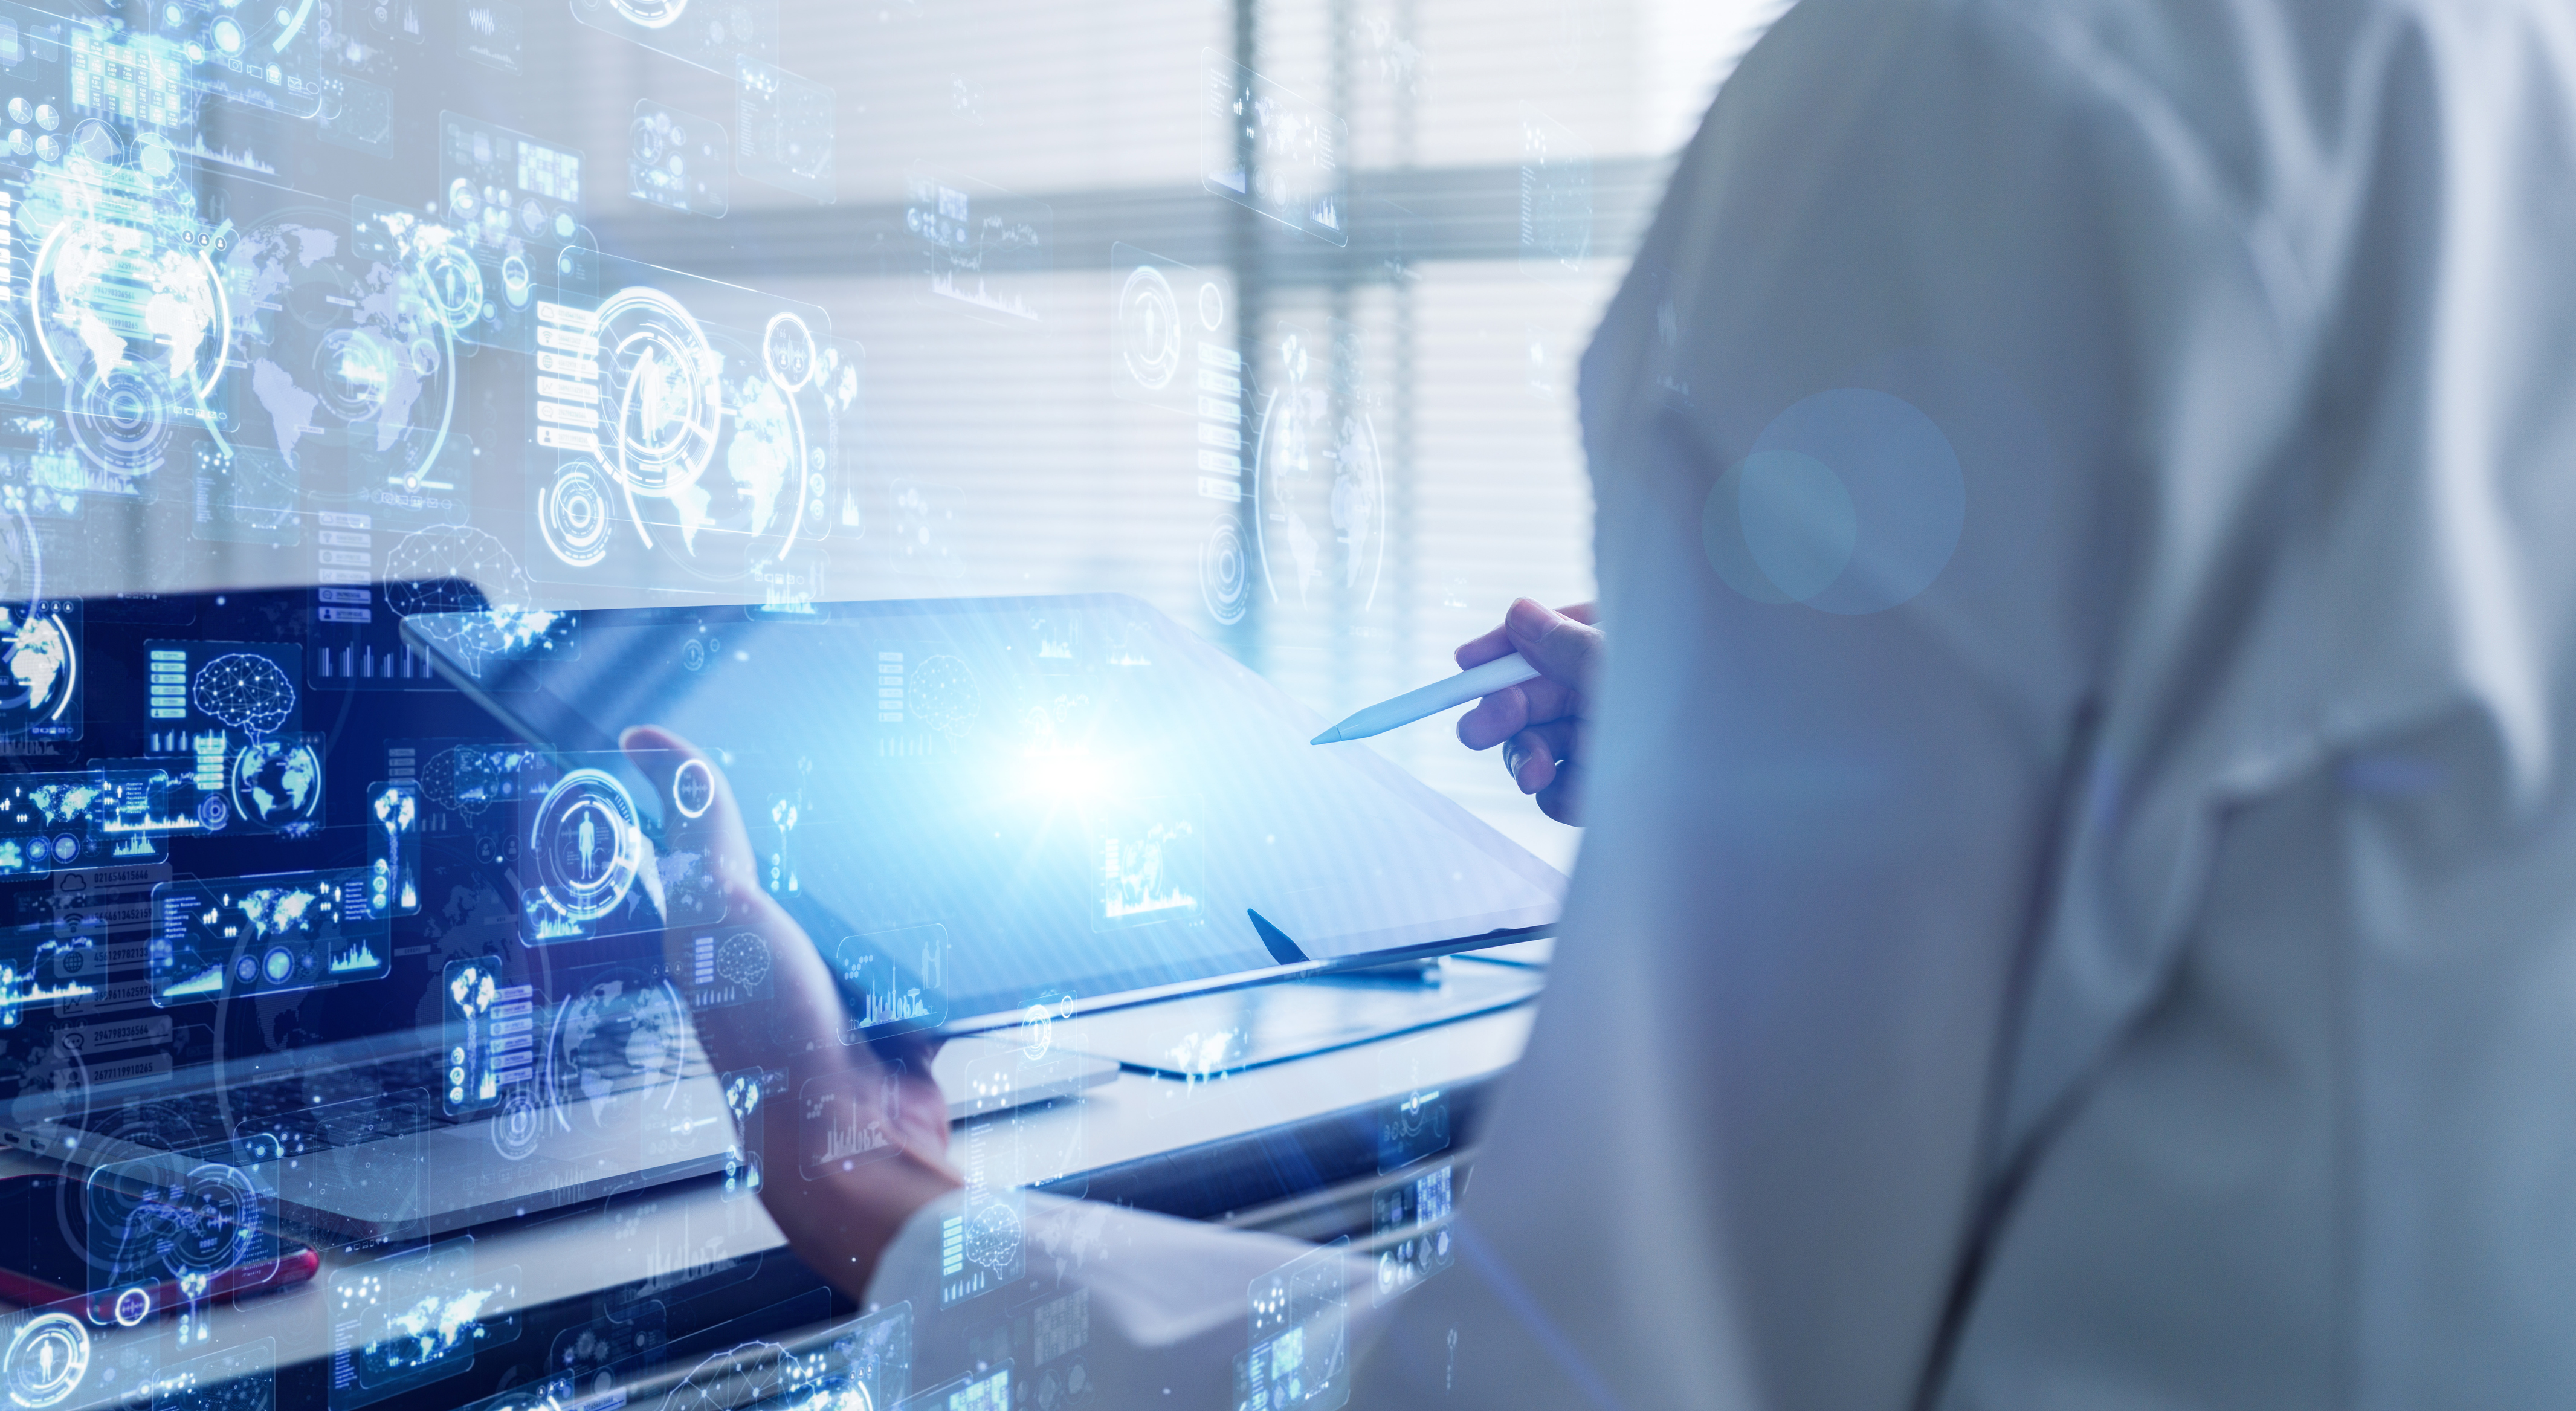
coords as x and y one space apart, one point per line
678 160
686 425
1275 151
702 33
265 934
784 131
1300 1357
1556 198
1074 792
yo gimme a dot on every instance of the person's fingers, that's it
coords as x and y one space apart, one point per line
1494 719
921 1112
805 1015
915 1047
1530 763
1562 799
1478 650
1547 700
1509 711
1559 783
1562 644
1536 754
710 837
1562 739
1565 651
923 1109
837 1220
713 830
704 827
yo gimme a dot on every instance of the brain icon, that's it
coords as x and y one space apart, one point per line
246 691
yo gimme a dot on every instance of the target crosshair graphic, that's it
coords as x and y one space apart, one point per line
586 845
667 401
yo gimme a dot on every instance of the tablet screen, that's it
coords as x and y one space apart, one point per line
971 803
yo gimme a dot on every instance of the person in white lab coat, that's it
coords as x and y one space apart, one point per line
2079 907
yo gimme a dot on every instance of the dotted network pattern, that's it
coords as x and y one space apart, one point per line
453 568
464 588
244 690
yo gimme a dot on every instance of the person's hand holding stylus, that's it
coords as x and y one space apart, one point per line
1539 722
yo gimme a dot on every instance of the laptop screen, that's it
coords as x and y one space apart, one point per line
971 804
237 825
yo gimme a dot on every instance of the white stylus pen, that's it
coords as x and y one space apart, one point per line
1430 700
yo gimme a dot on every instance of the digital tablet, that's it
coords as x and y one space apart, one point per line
977 805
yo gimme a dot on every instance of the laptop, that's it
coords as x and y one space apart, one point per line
249 845
348 889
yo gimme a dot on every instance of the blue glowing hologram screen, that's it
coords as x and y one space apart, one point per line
1079 794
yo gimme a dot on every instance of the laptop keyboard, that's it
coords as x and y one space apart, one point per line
324 1110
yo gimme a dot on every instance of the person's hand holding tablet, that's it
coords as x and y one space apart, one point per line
841 1218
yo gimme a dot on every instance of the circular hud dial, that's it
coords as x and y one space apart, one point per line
585 845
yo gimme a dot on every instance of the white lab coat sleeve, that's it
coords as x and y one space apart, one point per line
1744 1159
1167 1303
1745 1156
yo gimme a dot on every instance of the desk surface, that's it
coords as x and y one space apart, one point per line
1144 1140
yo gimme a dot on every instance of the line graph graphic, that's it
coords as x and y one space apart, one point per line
42 965
209 981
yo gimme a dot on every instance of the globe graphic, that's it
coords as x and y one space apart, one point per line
763 463
134 321
37 670
1319 484
714 444
341 344
619 1038
276 784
